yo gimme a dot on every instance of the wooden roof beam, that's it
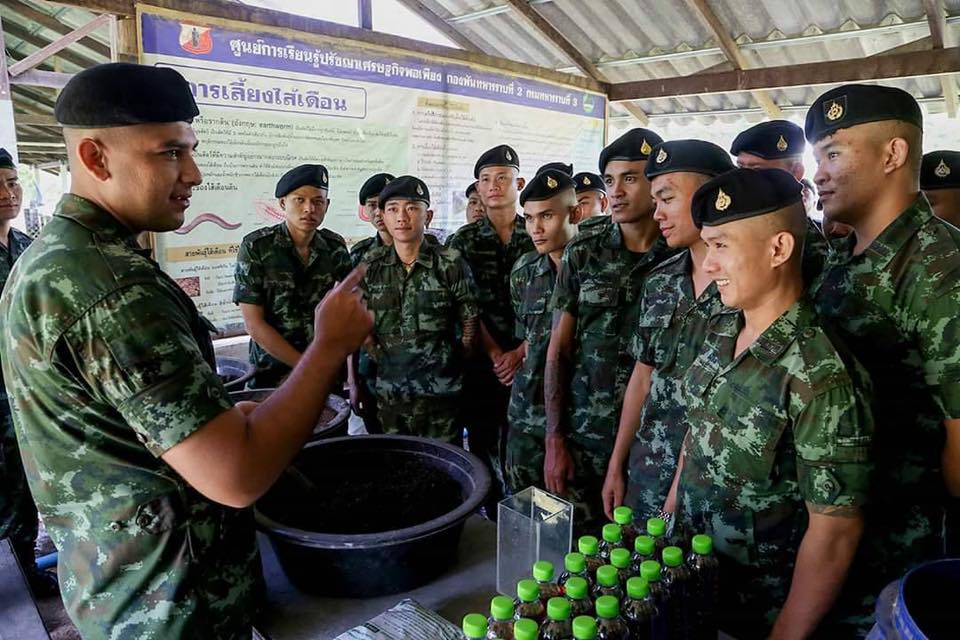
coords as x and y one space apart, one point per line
53 24
942 38
17 31
440 24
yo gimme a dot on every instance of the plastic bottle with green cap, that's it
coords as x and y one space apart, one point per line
620 558
676 578
474 626
525 629
610 626
651 571
704 587
557 625
544 574
608 583
500 624
578 593
574 565
642 551
612 539
528 603
639 609
657 529
589 546
623 516
584 628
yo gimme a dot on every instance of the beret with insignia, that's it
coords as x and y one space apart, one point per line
119 94
500 156
585 181
770 140
312 175
559 166
688 156
633 146
6 160
743 193
405 188
854 104
940 170
471 189
374 185
545 184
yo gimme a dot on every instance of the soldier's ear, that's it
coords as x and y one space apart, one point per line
576 213
520 184
283 204
429 219
782 248
604 202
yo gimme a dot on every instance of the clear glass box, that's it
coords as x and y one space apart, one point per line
532 525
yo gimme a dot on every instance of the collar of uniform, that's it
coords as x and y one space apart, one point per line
778 336
17 241
487 228
891 239
92 217
424 256
544 265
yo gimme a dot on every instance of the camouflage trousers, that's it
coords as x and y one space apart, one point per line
652 464
484 415
524 468
424 417
18 513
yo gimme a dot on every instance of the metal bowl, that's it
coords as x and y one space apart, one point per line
334 421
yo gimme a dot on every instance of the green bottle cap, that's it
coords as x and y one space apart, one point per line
623 516
611 533
638 588
607 607
501 608
620 558
656 527
528 590
650 570
607 576
576 588
588 545
575 562
672 556
525 629
543 571
558 609
644 545
702 544
584 628
475 626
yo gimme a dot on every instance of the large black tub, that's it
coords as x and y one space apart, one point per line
371 515
234 372
334 421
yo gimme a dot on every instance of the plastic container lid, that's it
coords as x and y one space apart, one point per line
475 625
576 588
525 629
620 558
607 576
623 516
612 533
656 527
584 628
588 545
501 608
702 544
650 570
558 609
672 556
638 588
644 545
528 590
608 607
575 562
543 571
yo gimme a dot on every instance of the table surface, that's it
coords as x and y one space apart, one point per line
467 587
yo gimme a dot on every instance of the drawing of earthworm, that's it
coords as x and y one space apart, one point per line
206 217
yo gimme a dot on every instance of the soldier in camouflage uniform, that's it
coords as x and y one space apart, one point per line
678 300
940 181
550 214
475 210
283 272
592 200
421 295
776 460
139 464
370 201
893 290
595 305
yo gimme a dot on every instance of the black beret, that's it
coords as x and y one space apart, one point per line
374 185
546 184
500 156
118 94
405 188
633 146
313 175
940 170
585 181
6 160
689 156
471 189
771 140
854 104
743 193
559 166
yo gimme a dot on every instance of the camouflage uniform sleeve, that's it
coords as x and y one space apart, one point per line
641 342
939 334
464 290
155 376
566 293
248 276
343 265
516 301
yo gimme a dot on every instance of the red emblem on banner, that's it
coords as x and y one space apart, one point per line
195 40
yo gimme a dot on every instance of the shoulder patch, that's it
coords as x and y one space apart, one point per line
332 235
262 232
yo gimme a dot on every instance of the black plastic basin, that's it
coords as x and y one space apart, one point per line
334 421
234 372
371 515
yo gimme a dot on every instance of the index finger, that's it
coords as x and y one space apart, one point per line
352 281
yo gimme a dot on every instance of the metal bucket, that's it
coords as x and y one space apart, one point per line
334 421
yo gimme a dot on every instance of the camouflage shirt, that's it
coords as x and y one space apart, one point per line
594 223
417 315
491 262
362 247
109 365
531 287
17 243
668 338
270 274
599 283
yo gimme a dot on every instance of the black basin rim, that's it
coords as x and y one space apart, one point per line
346 542
338 423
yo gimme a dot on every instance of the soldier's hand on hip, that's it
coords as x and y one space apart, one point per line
341 320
